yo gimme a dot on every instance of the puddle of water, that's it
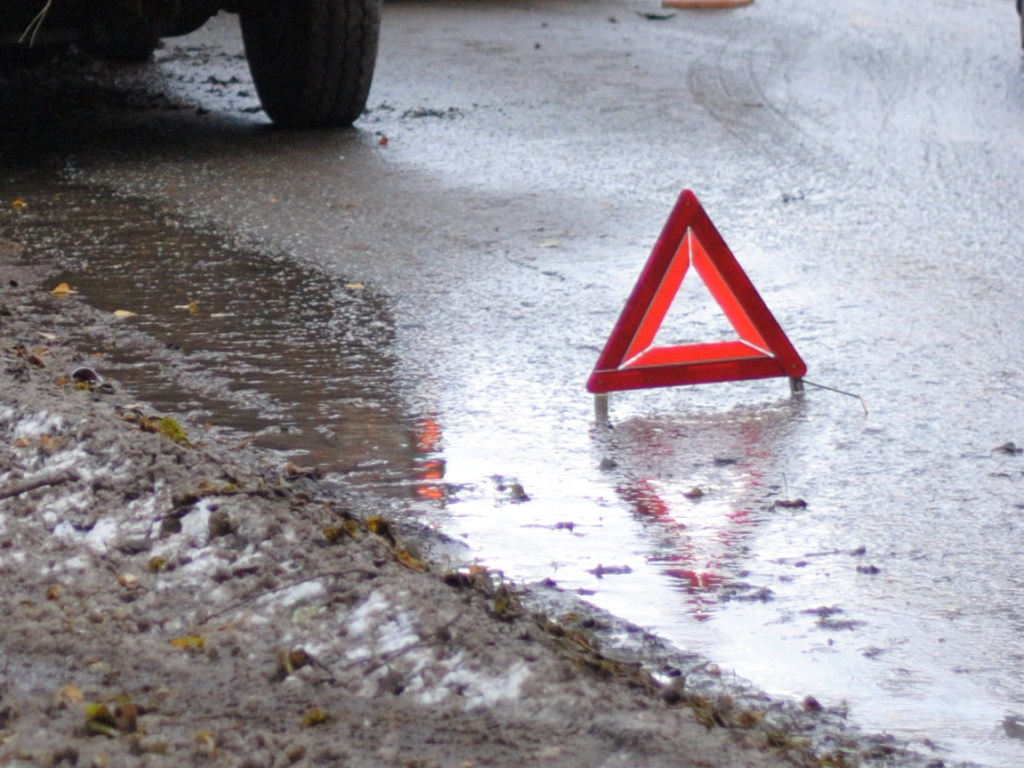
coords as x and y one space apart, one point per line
883 595
231 336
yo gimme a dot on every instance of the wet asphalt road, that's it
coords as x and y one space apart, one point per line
474 239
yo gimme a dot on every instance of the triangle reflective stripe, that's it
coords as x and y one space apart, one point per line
629 359
727 299
661 301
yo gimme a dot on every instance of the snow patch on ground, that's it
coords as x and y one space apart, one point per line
98 538
300 594
479 689
382 624
36 425
195 526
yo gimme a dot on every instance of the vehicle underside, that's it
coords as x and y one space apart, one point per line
40 22
312 61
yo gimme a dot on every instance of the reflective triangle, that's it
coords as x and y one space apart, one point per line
631 361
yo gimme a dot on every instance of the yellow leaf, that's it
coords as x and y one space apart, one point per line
63 290
19 204
99 719
314 716
125 313
411 562
334 533
381 527
188 642
172 430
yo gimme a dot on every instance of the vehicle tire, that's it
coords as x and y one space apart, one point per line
311 60
1020 13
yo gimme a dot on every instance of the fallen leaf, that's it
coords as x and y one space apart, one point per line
188 642
811 704
314 716
172 430
789 504
290 661
19 204
99 719
63 290
123 313
411 562
613 570
70 694
378 525
334 533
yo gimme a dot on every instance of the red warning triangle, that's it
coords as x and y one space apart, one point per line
762 349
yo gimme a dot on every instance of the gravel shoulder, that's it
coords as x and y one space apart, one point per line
174 598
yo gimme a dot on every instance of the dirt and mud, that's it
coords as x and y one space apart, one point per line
173 596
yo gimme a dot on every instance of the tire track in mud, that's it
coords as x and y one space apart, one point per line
794 112
725 82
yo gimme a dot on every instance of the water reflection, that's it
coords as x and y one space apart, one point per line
702 486
429 463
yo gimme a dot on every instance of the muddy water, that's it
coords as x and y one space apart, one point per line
230 336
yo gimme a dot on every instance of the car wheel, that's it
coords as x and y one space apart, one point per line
312 60
1020 14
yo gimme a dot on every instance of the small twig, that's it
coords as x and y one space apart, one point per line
19 488
283 587
863 404
385 658
35 25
